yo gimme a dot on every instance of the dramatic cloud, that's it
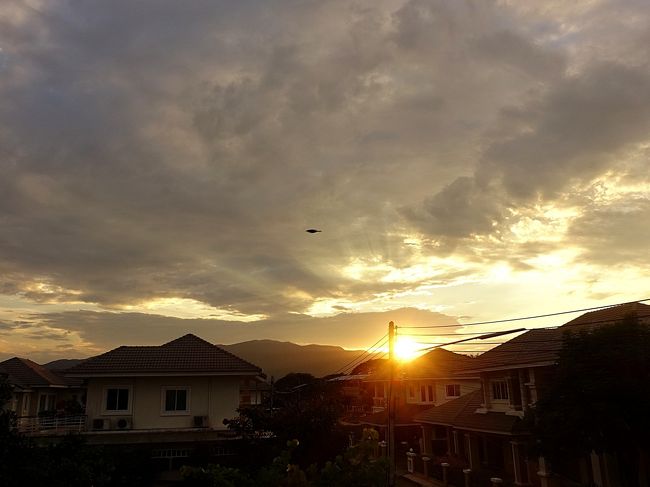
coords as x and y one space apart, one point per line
160 161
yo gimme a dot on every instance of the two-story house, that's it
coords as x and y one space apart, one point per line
484 431
429 380
167 395
43 400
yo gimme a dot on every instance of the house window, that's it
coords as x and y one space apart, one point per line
411 391
500 390
26 404
176 400
452 390
46 402
430 393
117 399
423 393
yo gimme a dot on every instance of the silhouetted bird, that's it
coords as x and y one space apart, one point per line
312 230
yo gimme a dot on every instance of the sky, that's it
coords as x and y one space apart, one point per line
465 161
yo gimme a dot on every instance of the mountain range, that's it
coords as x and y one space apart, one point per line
275 358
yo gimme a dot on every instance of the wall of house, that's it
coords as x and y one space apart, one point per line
525 386
439 390
214 397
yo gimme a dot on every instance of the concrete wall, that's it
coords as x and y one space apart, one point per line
215 397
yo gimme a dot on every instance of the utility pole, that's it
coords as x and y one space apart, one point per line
391 405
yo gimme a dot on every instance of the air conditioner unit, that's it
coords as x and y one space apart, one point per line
124 423
200 421
101 424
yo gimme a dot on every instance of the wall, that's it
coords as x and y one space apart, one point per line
215 397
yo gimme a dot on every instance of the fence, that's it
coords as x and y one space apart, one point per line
46 425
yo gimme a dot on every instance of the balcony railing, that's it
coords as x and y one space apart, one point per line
50 425
379 402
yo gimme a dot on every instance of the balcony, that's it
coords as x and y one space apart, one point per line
51 425
378 404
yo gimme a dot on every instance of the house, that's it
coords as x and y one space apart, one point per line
43 400
483 431
429 380
165 395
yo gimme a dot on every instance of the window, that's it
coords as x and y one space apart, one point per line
500 390
411 391
452 390
423 396
430 393
176 400
26 404
117 399
46 402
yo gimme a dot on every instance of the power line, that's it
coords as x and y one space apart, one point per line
358 357
381 342
563 339
564 327
532 317
379 354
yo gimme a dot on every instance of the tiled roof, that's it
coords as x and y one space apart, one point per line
188 354
437 363
24 373
594 319
461 413
404 414
543 345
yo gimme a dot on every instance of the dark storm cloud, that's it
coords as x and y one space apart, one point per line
180 151
572 133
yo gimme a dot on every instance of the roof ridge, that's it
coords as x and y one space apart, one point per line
188 353
203 340
187 336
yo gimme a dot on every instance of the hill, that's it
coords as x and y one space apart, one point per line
62 364
275 358
279 358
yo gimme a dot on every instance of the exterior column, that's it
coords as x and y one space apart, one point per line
467 472
543 473
472 451
410 461
521 478
445 481
523 392
595 469
427 434
425 465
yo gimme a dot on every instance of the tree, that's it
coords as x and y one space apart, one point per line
358 466
304 408
600 396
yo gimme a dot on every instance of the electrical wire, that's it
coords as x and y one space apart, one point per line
479 342
532 317
360 356
372 356
382 341
568 329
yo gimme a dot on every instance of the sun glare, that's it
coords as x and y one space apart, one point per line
406 349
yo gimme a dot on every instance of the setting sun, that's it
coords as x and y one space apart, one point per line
406 349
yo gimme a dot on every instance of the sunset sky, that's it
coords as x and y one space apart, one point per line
465 161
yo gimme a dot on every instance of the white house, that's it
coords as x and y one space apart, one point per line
179 391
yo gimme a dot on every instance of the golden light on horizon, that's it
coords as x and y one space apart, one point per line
406 349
